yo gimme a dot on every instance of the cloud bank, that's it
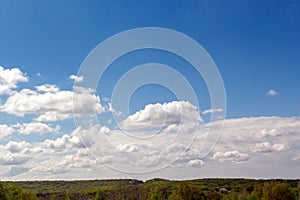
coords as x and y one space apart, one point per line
37 145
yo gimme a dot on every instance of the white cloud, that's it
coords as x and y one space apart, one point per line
297 157
19 153
35 127
174 148
16 147
233 156
255 140
47 88
159 115
76 78
148 161
5 130
51 104
69 142
63 165
13 159
272 93
245 135
52 117
14 153
253 129
129 148
195 163
240 134
265 147
66 142
262 147
112 110
9 78
280 147
212 111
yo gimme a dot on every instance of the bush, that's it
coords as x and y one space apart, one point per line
10 192
277 191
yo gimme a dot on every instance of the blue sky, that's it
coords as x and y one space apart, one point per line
255 45
252 43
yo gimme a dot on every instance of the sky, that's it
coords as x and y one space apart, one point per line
226 107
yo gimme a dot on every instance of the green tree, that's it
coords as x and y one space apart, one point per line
67 197
185 191
100 195
283 191
213 196
154 194
277 191
3 195
296 193
174 196
189 192
257 192
253 197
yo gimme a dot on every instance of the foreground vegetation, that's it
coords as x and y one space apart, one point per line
155 189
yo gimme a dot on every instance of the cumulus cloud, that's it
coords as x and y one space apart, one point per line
257 128
246 141
63 165
195 163
129 148
70 141
16 153
265 147
233 156
76 78
5 130
238 144
254 135
159 115
148 161
47 88
13 159
272 93
35 127
16 147
262 147
52 104
9 78
64 143
280 147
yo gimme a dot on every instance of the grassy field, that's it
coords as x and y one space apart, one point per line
152 189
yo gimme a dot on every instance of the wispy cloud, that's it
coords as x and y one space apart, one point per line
272 93
212 111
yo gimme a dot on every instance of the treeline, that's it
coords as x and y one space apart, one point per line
155 189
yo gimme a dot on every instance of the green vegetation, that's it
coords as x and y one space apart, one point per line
11 192
155 189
